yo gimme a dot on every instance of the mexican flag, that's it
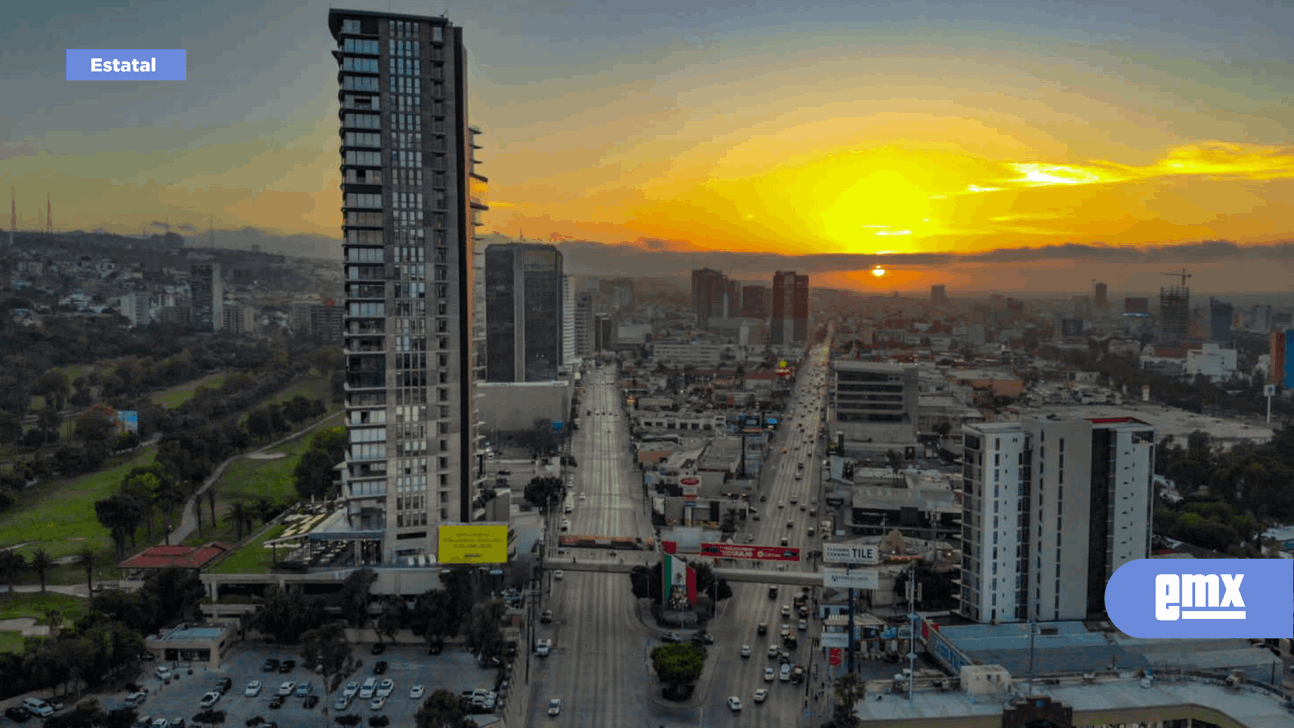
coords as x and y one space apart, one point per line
676 574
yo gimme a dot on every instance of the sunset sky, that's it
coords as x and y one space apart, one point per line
768 127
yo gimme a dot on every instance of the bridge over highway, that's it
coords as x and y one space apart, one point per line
758 576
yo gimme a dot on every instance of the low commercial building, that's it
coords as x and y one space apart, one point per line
191 645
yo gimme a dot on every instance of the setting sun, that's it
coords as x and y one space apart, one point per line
878 271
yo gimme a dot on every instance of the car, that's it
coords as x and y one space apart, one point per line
566 524
555 706
310 701
385 688
37 707
351 689
763 629
370 686
734 703
286 688
163 673
223 685
785 632
209 700
786 610
416 692
763 498
276 702
702 638
17 714
505 472
286 666
377 704
543 647
341 703
583 497
161 723
379 667
304 689
781 504
745 650
669 637
547 616
378 648
772 592
558 574
270 664
773 650
785 674
804 625
761 695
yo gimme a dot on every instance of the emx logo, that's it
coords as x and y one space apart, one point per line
1245 598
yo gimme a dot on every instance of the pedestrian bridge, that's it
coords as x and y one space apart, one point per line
759 576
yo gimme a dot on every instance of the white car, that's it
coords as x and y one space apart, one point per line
286 688
163 673
38 707
253 689
761 695
566 524
804 625
745 650
555 706
543 647
772 650
208 700
341 703
786 610
386 687
558 574
785 675
416 691
734 703
377 704
352 689
768 675
366 691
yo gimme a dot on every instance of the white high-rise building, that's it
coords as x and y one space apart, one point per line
411 203
568 319
1051 509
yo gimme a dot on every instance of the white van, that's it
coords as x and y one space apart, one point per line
367 689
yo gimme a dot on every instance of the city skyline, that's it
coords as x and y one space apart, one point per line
921 129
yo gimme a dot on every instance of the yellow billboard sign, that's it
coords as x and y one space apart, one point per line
474 543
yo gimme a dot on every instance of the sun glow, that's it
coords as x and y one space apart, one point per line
878 271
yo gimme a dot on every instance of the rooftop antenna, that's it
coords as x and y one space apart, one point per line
13 213
49 216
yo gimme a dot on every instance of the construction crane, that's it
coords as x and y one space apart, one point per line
1183 275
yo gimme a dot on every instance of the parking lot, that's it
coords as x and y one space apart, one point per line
453 670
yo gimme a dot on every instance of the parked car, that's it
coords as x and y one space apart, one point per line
378 648
286 688
352 688
136 699
17 714
310 701
276 702
669 637
379 667
163 673
287 665
370 686
416 692
223 685
304 689
341 703
209 700
38 707
377 704
385 688
270 664
253 689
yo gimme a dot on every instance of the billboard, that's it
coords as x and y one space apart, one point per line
835 640
1288 375
842 554
837 468
849 579
1139 307
475 543
736 551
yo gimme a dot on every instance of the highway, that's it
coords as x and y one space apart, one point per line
740 616
600 656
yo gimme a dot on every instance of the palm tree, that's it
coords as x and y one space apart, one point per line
11 564
86 558
211 501
41 563
241 516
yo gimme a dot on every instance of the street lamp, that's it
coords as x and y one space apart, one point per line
168 534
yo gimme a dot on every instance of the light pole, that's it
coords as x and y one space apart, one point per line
1032 631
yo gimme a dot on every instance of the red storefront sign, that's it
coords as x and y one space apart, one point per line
834 655
741 551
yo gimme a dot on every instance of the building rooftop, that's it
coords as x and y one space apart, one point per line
1166 420
185 557
1104 702
893 499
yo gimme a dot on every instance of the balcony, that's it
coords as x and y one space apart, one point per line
372 380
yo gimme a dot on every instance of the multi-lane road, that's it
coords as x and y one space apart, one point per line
599 662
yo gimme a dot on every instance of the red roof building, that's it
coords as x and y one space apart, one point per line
185 557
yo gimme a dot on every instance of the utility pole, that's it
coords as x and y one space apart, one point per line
1032 631
912 636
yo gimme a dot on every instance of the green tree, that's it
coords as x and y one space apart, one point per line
849 690
314 472
442 709
119 514
41 563
354 596
678 664
326 646
545 491
390 618
284 615
484 636
96 424
12 564
241 515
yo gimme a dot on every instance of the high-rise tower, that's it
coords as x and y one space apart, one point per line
523 313
790 322
411 202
